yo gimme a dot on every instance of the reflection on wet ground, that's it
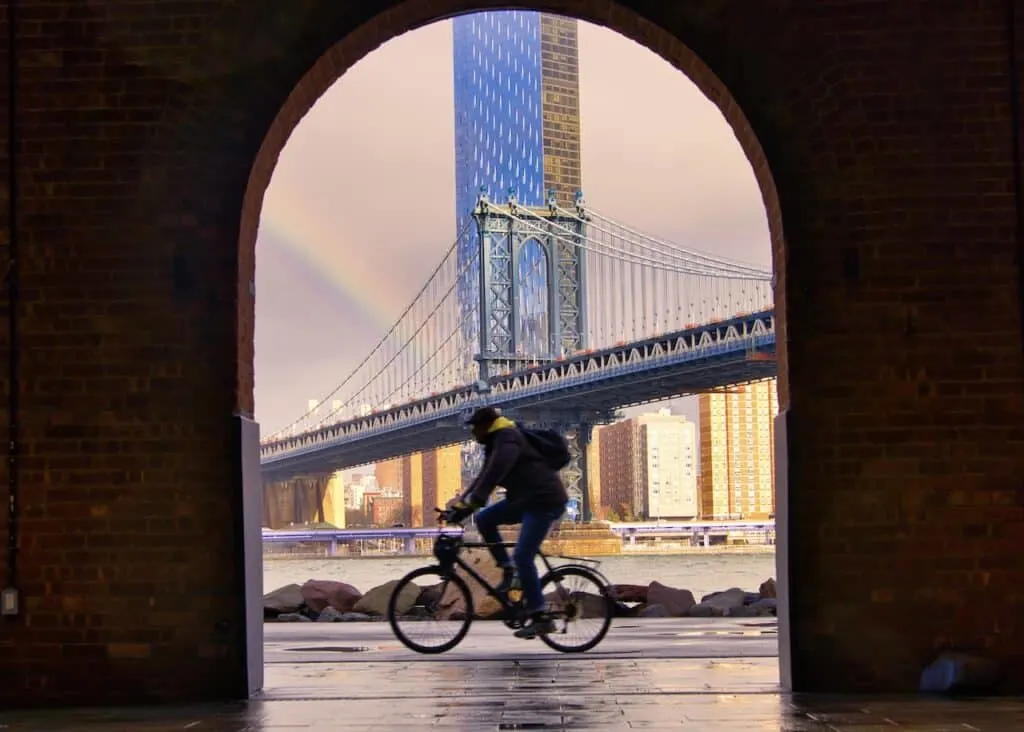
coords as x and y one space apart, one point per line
651 675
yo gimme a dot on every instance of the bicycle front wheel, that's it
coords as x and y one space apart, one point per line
420 627
582 607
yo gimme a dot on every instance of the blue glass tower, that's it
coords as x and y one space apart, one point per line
516 128
498 119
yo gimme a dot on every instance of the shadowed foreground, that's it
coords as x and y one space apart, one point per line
701 675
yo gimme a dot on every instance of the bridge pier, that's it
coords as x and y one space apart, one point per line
296 501
584 436
578 429
574 475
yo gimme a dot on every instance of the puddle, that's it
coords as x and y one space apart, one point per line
733 633
332 649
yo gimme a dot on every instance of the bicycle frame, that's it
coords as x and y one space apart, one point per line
454 544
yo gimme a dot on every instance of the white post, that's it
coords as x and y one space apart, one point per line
782 550
252 540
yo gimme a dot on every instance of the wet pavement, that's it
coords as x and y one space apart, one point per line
681 674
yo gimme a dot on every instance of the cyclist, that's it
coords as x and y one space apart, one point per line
534 497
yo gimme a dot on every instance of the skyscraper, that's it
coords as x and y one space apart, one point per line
737 445
517 127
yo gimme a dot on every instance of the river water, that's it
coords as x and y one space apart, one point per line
700 573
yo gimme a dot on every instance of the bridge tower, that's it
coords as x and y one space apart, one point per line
531 291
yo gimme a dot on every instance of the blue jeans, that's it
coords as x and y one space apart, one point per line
536 524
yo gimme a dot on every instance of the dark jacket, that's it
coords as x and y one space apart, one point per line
511 462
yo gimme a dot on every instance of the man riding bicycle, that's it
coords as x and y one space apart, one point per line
534 497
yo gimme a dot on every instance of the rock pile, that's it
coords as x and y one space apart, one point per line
328 601
660 601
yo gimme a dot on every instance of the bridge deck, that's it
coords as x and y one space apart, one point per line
696 360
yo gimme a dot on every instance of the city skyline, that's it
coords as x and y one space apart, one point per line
313 324
646 467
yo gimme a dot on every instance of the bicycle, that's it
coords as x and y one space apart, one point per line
575 608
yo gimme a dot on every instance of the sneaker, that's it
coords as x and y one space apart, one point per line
539 624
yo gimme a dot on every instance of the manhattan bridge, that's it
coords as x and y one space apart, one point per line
559 317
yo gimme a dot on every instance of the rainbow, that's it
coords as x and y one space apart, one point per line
306 238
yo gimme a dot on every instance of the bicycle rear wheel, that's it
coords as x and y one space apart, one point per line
582 607
417 628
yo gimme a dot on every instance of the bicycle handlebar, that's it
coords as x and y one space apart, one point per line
442 521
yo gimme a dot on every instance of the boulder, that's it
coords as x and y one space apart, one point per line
629 593
767 606
587 604
287 599
652 611
677 603
375 602
622 610
321 594
757 609
718 604
430 595
452 606
353 617
702 610
768 589
329 615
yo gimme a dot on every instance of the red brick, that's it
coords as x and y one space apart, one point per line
880 133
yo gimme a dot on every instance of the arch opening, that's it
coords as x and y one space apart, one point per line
533 300
533 323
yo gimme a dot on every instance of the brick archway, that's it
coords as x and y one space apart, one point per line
893 135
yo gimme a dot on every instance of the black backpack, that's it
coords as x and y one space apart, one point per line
550 444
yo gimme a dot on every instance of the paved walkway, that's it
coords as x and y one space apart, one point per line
703 676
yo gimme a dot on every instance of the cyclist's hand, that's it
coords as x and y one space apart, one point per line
459 511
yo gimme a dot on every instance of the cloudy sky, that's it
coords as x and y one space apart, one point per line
361 204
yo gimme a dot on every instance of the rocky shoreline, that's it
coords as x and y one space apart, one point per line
328 601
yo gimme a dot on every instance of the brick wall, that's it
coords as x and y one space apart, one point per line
148 135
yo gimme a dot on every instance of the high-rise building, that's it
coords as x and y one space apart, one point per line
669 449
335 500
737 447
389 475
619 459
593 484
649 467
517 126
442 478
412 489
429 478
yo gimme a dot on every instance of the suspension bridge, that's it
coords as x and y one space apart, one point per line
558 316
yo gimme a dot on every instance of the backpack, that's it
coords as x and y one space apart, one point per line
550 444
